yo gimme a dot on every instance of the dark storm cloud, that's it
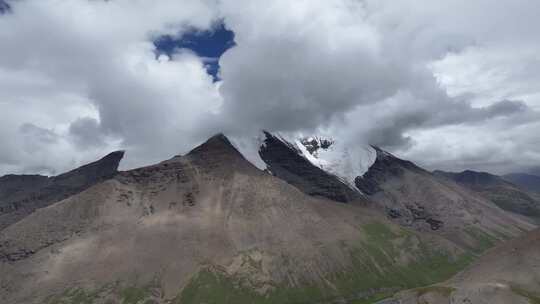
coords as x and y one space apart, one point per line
390 131
4 7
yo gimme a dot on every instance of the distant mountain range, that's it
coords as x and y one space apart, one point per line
264 220
506 194
526 181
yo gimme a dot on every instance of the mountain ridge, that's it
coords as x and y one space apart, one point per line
20 195
497 189
529 182
211 227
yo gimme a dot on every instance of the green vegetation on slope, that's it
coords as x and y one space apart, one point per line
484 240
75 296
111 293
378 271
514 201
384 260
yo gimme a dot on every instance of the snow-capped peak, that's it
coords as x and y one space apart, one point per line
337 158
332 156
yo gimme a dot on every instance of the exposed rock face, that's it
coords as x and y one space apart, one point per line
313 144
504 194
285 162
20 195
386 167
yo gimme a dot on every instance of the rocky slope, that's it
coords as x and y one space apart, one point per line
406 193
509 273
416 198
20 195
209 227
504 194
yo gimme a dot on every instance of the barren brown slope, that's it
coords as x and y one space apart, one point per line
509 273
416 198
209 227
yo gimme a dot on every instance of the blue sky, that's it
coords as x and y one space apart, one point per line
209 44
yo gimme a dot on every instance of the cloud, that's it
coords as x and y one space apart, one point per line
85 132
88 70
374 71
83 78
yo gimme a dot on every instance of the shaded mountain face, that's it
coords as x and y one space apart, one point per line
504 194
20 195
385 168
525 181
209 227
509 273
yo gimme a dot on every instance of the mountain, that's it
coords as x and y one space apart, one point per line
414 197
323 167
288 162
509 273
528 182
503 193
20 195
316 165
474 179
211 227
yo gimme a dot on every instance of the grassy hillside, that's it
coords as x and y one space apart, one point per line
385 259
